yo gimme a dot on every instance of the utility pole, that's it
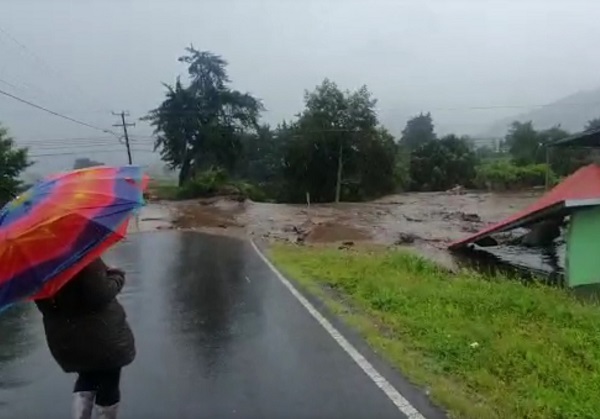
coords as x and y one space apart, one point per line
547 180
338 183
124 125
353 134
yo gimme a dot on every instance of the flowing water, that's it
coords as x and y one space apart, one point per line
425 222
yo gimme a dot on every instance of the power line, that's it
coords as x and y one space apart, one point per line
71 146
425 109
9 84
25 87
77 147
493 107
54 144
16 41
64 139
68 118
40 61
73 153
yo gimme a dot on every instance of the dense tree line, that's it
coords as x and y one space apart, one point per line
335 148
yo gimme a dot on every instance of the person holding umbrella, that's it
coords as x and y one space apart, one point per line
52 238
88 334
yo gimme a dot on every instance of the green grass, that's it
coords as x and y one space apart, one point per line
163 190
207 184
484 347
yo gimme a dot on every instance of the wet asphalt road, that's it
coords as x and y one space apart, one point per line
218 336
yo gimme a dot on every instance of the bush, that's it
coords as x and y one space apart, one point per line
205 184
250 191
214 182
442 164
503 174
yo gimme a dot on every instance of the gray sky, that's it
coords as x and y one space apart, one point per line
94 56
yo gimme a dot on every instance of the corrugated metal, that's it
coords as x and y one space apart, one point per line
582 188
589 138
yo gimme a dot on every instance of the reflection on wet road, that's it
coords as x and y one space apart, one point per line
217 335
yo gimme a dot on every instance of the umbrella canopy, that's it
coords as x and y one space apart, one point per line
51 231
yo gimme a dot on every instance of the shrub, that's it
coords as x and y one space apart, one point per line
503 174
207 183
215 181
250 191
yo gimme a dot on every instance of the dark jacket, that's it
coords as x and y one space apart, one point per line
86 327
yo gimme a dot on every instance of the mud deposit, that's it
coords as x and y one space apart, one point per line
427 222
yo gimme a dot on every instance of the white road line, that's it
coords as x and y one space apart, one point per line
247 279
394 395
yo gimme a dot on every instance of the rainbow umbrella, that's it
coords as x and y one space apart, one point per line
51 231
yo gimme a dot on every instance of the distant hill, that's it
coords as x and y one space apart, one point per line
571 113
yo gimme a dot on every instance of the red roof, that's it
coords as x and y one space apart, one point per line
581 185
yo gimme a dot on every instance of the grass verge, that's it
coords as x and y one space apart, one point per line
485 347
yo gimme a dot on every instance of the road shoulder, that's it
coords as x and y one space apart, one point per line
416 403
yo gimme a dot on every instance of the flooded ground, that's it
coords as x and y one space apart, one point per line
426 222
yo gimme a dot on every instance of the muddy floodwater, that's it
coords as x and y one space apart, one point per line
425 222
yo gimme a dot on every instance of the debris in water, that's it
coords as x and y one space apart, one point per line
405 238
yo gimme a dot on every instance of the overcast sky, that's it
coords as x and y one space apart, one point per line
86 58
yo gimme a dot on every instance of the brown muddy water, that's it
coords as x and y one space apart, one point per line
424 222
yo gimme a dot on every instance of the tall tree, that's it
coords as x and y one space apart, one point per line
442 164
202 124
176 126
13 161
592 124
333 146
418 131
524 144
528 146
263 155
378 169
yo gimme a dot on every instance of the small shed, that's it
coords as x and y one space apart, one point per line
578 197
589 139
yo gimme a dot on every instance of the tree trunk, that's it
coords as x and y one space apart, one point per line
184 173
338 185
